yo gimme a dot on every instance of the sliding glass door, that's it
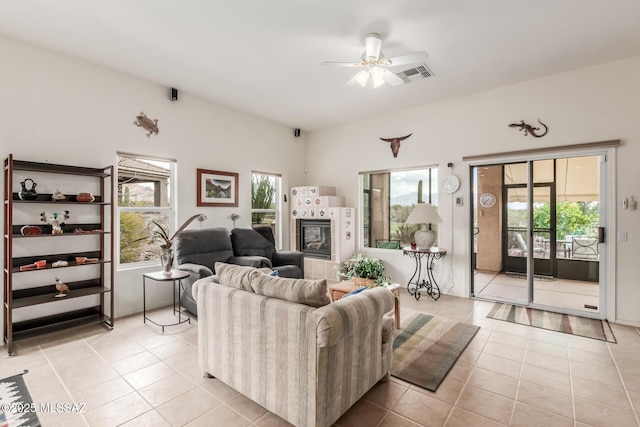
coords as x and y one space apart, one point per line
537 237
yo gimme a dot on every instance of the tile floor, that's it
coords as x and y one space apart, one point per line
571 294
509 375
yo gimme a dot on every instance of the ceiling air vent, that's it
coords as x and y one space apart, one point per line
420 72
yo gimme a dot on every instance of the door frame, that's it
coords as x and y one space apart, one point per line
607 151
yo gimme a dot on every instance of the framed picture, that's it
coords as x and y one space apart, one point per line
217 188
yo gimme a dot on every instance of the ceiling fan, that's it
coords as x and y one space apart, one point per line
375 65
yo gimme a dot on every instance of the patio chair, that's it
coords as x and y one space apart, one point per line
584 248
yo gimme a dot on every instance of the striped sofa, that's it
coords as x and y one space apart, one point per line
280 342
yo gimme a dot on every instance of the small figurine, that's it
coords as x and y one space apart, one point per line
62 288
58 195
55 220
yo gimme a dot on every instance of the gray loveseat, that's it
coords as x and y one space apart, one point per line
198 250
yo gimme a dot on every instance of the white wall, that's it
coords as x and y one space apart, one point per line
61 110
58 109
588 105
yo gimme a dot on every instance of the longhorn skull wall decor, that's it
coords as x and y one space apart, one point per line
395 143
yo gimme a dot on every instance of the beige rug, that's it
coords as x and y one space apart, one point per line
427 347
575 325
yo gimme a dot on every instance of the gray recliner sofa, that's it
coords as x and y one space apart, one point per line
198 250
259 241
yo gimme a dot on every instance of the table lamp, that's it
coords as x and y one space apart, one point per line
424 214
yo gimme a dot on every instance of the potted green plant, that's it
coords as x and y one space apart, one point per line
363 271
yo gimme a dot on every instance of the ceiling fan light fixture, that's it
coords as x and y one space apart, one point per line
362 77
377 77
374 64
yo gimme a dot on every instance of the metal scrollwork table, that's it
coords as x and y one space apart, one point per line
423 278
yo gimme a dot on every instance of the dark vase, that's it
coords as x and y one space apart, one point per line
28 193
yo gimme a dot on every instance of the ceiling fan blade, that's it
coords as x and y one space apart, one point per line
373 43
410 58
391 78
342 64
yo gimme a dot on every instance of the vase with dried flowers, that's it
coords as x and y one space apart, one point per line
160 234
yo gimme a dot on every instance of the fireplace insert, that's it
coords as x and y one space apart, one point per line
315 237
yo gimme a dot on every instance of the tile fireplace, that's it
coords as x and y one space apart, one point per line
323 229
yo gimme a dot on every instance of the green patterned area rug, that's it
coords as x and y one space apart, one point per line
427 348
575 325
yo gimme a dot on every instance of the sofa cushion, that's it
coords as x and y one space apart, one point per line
238 276
248 242
301 291
204 246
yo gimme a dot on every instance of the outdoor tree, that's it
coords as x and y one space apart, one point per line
263 191
573 218
131 232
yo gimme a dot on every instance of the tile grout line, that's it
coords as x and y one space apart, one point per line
55 371
135 390
624 385
515 398
571 387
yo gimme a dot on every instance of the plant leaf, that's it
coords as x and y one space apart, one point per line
185 225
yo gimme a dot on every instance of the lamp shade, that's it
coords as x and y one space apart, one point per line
424 214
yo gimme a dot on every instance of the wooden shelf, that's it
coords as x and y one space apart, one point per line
47 294
50 259
69 199
57 322
68 230
21 165
100 281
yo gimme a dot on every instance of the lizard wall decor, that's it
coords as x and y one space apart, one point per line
528 129
147 124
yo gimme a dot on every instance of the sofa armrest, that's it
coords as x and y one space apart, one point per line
251 261
346 316
198 285
199 270
288 258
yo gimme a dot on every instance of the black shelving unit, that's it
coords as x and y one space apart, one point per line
99 265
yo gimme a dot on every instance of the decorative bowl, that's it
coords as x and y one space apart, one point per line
85 197
30 230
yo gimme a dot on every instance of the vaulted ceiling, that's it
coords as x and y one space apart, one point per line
264 57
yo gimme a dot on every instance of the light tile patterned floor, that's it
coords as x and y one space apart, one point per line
509 375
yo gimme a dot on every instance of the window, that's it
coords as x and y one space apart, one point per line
265 206
145 192
387 200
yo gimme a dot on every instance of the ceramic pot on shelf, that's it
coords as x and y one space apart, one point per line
85 197
28 193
